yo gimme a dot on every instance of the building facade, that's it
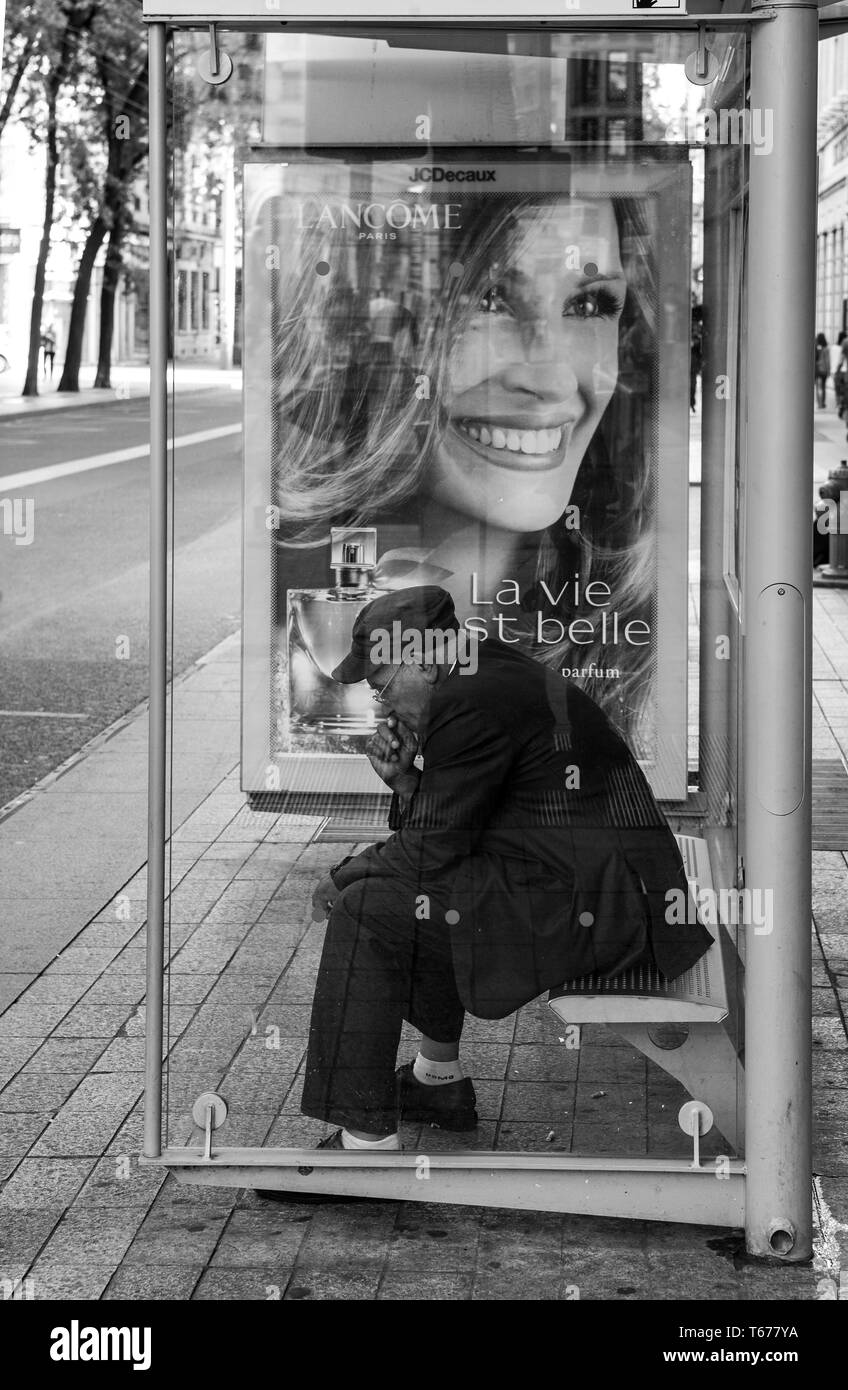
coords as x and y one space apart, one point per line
204 260
831 269
205 253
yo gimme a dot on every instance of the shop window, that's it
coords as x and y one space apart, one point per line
182 301
617 68
617 138
195 300
587 80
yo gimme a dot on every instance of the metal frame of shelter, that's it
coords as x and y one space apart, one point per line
769 1191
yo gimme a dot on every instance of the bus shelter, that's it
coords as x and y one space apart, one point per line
399 193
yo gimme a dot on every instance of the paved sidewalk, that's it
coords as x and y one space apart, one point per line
80 1219
102 791
129 382
830 442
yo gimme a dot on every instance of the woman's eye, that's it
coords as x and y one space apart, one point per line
592 304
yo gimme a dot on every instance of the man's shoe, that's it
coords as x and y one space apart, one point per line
451 1106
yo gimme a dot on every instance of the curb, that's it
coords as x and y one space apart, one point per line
46 406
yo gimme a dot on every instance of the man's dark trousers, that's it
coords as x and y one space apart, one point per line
381 964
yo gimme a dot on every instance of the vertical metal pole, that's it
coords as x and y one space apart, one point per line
156 764
715 709
777 617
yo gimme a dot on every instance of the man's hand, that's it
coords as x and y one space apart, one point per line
323 898
391 751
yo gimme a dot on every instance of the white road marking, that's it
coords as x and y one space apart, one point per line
16 481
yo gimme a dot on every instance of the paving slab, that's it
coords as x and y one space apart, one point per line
75 1281
119 1181
66 1054
129 1140
36 1021
257 1239
528 1276
13 984
91 1236
36 1092
134 1283
115 987
23 1233
399 1286
44 1184
161 1240
328 1286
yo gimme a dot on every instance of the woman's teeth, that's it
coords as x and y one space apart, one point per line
515 441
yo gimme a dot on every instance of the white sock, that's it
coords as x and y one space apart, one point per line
436 1073
349 1141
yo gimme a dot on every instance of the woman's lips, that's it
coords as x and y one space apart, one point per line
522 449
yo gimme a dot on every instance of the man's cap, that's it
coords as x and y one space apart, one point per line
417 609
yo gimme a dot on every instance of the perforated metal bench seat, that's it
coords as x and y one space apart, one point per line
642 995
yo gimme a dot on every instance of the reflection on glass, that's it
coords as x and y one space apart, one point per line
617 69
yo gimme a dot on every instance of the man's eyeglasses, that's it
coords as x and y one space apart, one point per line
380 695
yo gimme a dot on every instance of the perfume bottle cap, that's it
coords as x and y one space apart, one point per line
355 545
353 557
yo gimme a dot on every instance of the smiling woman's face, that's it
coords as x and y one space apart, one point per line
532 373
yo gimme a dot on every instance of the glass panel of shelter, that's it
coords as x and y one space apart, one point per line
485 296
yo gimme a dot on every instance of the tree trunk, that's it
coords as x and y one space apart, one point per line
17 78
111 275
31 382
69 380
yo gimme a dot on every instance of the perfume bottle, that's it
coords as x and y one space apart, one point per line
320 624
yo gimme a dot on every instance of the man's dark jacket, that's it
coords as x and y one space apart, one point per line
534 829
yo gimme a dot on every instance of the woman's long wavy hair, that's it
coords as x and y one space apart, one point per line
354 439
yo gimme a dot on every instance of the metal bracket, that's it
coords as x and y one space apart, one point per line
215 67
701 61
695 1118
701 67
209 1111
641 1189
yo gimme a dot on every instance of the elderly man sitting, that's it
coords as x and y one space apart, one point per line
529 851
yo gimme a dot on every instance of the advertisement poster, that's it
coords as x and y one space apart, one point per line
470 371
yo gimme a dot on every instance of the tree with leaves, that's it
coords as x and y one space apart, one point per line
75 71
118 56
25 20
64 23
118 124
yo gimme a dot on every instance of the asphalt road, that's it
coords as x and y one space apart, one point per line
73 601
